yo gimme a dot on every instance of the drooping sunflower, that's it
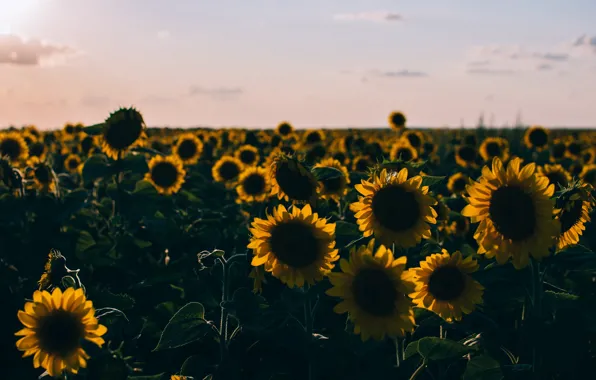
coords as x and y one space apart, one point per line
402 150
337 187
397 210
284 129
556 174
494 147
13 146
166 173
466 156
72 163
457 183
514 210
374 289
574 207
588 174
226 170
248 155
296 246
444 285
536 137
188 148
253 185
397 120
55 325
291 180
43 176
122 130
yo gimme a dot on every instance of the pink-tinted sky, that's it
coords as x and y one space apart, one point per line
313 62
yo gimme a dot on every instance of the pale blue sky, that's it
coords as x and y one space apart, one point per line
315 63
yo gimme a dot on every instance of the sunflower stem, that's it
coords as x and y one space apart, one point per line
536 313
419 370
223 319
308 328
397 352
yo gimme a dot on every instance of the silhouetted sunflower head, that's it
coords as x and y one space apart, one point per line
397 120
573 208
494 147
285 129
13 146
122 130
188 148
536 138
291 180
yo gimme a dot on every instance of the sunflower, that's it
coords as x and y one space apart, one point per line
284 129
188 148
374 290
515 212
88 145
337 187
396 209
13 146
258 276
253 185
457 183
557 150
573 211
43 176
459 227
588 174
397 121
226 170
55 326
180 377
444 286
314 136
466 156
72 163
402 150
291 181
248 155
362 163
123 129
38 149
414 138
494 147
573 149
536 137
556 175
166 173
589 155
294 246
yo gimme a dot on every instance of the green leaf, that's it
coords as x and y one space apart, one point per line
433 348
327 173
346 229
186 326
94 130
142 149
116 301
145 188
430 181
576 257
560 299
96 166
136 163
246 305
84 241
483 367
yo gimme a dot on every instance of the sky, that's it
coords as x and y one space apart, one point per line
315 63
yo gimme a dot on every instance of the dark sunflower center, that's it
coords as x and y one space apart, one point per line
123 133
588 156
446 283
557 178
275 140
396 208
493 149
254 184
60 332
72 163
42 174
294 244
187 149
559 150
229 170
538 138
284 129
374 292
398 119
569 217
339 156
11 148
36 149
313 137
404 154
292 182
574 148
414 139
333 185
512 212
362 165
590 177
459 184
467 153
428 147
69 129
164 174
461 225
248 156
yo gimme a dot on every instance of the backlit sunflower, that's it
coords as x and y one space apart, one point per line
284 129
494 147
515 212
314 136
253 185
588 174
166 173
56 324
536 137
557 150
13 146
226 170
444 285
402 150
397 210
122 130
362 163
573 149
295 246
556 175
180 377
374 289
337 187
43 176
457 183
466 156
574 207
38 149
291 180
459 227
589 155
72 163
397 121
414 138
188 148
248 155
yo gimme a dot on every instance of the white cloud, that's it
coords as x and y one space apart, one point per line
15 50
375 16
399 73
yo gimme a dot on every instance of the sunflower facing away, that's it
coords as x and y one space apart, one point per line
123 129
13 146
397 210
284 129
374 290
588 174
291 180
188 148
295 246
536 137
226 170
573 211
248 155
72 163
55 326
556 175
444 286
253 185
397 121
514 210
334 188
402 150
494 147
457 183
43 176
166 174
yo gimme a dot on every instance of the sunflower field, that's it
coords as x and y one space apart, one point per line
129 252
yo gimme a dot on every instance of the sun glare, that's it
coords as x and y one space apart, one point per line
12 11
